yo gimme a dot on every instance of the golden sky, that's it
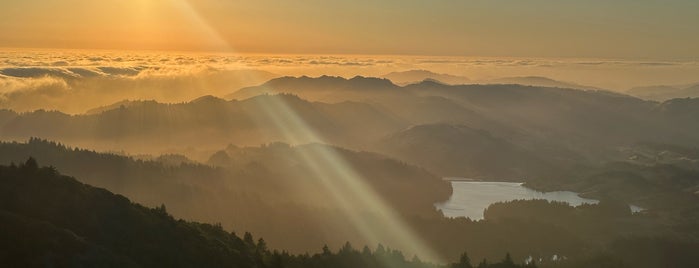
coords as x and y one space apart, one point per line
662 29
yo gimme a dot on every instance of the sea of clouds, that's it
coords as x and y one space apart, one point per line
74 81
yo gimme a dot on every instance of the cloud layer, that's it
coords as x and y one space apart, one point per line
76 81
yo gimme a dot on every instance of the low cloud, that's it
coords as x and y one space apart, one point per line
76 81
33 72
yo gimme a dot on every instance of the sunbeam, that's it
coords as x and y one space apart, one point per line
350 191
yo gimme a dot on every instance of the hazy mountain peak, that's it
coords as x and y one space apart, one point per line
430 82
665 92
680 106
415 76
538 81
322 86
287 97
415 71
121 104
304 78
208 99
361 81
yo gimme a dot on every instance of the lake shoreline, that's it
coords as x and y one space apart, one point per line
471 197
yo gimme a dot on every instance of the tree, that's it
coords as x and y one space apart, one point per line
31 164
326 250
161 210
261 245
347 248
380 250
508 260
483 264
366 251
247 237
464 262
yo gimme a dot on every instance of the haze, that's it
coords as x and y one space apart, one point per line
348 134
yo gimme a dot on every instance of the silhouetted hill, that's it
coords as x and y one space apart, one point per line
680 108
461 151
117 105
265 189
381 94
665 92
581 121
681 112
561 126
413 76
524 114
537 81
47 219
207 121
53 220
6 115
147 182
245 201
323 88
287 175
626 251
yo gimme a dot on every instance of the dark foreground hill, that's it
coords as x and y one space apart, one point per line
266 190
50 220
252 192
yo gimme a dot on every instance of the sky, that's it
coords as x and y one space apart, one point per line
629 29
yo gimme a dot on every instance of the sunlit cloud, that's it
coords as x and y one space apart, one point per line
97 78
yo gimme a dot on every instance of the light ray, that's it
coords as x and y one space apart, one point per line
350 191
215 40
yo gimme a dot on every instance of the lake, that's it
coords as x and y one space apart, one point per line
470 198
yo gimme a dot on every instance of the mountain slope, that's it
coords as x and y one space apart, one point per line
93 227
266 189
147 126
664 92
537 81
323 88
461 151
285 172
414 76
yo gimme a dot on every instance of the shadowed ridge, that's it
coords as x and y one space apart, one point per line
324 85
119 105
665 92
362 82
208 99
67 223
538 81
415 76
462 151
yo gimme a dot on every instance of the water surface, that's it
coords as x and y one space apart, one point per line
470 198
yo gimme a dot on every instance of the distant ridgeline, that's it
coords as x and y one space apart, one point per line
500 131
51 220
